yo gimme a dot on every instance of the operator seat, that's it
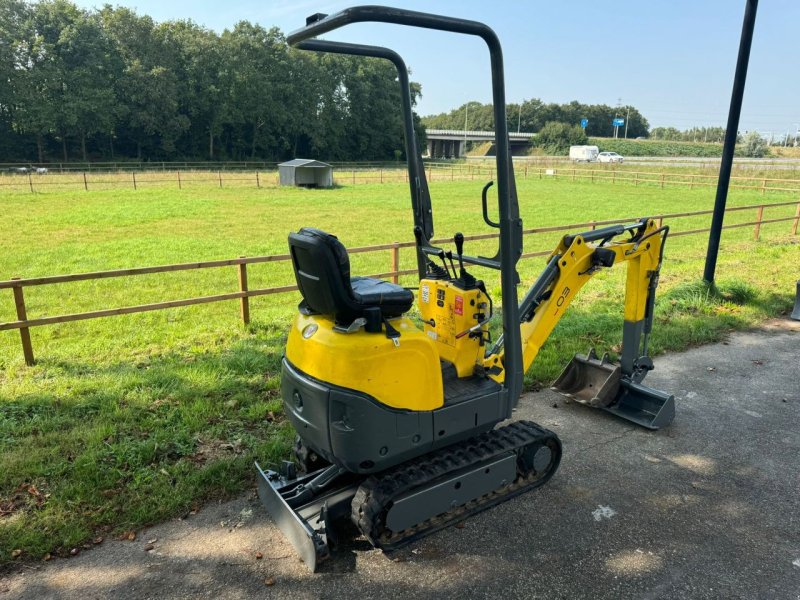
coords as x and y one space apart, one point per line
322 270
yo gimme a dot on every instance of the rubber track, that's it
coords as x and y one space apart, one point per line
375 496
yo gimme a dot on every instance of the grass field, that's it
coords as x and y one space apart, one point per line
130 420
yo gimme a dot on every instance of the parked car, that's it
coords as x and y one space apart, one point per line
583 153
609 157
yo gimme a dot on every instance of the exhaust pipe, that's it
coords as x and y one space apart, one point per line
599 383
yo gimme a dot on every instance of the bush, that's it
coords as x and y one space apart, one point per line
629 147
754 145
556 138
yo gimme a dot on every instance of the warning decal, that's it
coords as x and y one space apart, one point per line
459 306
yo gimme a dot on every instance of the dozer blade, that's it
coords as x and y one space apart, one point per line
309 526
599 383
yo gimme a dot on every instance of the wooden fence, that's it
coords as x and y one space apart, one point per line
365 173
243 295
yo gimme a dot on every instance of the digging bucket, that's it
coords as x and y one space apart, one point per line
598 382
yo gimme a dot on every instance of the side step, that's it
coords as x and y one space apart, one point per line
599 383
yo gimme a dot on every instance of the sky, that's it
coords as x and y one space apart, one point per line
672 59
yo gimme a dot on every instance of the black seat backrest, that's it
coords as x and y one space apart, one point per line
322 271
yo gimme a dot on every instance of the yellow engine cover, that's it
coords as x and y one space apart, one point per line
407 376
448 311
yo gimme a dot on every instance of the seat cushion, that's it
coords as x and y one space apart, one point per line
392 299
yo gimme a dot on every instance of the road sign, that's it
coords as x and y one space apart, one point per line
618 122
584 123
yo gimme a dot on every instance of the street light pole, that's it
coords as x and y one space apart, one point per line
627 118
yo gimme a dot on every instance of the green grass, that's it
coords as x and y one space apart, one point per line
130 420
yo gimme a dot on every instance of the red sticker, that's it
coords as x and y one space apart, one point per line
459 305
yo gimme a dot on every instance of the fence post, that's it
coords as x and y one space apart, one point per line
258 182
381 170
133 174
636 179
354 176
594 225
573 174
395 262
796 219
592 172
759 216
764 187
691 181
24 332
179 181
220 178
662 181
660 222
85 184
30 182
526 170
244 300
430 173
613 176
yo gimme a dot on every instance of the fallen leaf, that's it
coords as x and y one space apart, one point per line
152 540
459 525
74 552
129 535
269 581
259 556
47 556
16 553
148 547
98 539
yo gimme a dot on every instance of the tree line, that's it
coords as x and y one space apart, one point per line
113 84
532 115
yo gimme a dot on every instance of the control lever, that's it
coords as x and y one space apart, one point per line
449 255
438 252
459 240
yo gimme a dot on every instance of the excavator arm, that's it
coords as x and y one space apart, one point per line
587 379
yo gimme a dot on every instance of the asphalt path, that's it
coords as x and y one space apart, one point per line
707 508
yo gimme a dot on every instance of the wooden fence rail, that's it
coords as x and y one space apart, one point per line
23 323
364 174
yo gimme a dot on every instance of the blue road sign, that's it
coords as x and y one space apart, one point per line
584 123
618 122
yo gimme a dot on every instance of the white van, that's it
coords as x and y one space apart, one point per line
583 153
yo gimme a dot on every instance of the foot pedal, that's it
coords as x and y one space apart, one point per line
598 382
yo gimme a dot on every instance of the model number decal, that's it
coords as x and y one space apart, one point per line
561 299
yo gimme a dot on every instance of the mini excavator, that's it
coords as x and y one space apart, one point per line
396 417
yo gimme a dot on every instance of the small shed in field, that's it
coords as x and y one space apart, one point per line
305 172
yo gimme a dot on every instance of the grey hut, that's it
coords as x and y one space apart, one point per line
306 173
